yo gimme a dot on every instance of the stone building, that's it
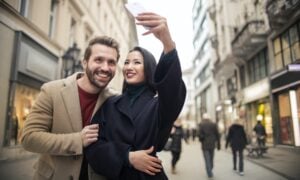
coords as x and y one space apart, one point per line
34 36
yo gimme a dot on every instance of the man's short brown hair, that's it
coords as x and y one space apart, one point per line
104 40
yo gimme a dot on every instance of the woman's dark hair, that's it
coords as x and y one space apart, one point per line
149 68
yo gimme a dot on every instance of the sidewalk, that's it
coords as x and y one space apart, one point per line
277 164
281 160
191 166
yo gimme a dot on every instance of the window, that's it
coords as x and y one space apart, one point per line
23 101
295 43
204 73
258 66
24 5
278 55
52 18
251 71
72 32
242 76
221 92
286 47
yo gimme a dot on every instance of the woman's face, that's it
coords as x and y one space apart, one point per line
133 70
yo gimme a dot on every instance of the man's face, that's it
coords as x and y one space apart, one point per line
101 66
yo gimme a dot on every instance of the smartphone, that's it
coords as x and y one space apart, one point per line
135 9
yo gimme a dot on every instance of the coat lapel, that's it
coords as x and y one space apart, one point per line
70 97
106 93
122 105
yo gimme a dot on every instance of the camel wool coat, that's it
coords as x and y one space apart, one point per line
53 128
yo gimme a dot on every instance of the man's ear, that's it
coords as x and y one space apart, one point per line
84 64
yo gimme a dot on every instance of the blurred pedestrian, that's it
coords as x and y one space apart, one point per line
210 138
177 135
187 133
238 141
260 132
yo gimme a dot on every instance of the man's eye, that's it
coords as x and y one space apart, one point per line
113 63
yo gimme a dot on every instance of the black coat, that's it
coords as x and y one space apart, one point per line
177 136
147 123
259 129
209 135
236 137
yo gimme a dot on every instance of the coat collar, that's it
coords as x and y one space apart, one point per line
70 97
122 104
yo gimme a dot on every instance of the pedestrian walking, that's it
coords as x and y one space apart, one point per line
177 134
210 138
58 126
238 141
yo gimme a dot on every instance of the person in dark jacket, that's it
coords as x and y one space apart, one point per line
136 124
177 134
209 137
238 141
260 132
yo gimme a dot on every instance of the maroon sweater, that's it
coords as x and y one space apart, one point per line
87 104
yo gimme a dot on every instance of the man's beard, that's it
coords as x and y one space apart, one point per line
94 82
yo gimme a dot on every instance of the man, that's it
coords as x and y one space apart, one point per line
209 136
260 132
238 141
58 126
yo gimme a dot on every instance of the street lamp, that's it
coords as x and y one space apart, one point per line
71 61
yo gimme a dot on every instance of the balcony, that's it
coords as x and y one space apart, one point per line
280 11
251 36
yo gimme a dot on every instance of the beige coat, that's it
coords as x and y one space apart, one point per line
53 127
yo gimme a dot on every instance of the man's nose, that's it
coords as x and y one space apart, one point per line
105 66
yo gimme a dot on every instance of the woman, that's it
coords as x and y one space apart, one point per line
142 117
177 134
237 139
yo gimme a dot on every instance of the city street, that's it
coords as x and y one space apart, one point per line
190 167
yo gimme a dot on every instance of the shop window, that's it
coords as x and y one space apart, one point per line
285 120
298 103
23 101
264 114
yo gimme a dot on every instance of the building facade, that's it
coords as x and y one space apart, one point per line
256 71
203 58
188 112
284 53
34 36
